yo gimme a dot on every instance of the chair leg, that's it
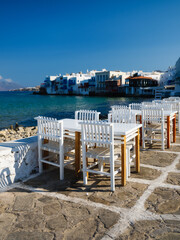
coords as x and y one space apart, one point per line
84 164
61 161
112 170
127 163
100 165
143 141
40 156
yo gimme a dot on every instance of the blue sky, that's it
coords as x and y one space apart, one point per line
39 38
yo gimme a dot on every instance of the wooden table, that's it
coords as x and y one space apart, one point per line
170 116
127 133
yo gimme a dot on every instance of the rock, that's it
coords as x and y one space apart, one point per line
16 126
20 132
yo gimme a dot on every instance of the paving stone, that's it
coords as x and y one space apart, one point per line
123 196
57 223
175 148
6 221
30 221
23 235
146 173
159 159
106 219
51 218
23 203
83 231
70 210
157 146
164 201
52 209
178 166
98 188
173 178
160 230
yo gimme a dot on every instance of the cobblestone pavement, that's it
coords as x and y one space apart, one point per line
148 207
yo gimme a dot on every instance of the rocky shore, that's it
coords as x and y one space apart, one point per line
17 133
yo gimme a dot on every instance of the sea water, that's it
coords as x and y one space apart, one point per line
22 107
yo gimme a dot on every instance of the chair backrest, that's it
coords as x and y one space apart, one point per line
87 115
117 107
147 103
50 128
165 106
152 115
122 116
99 133
135 106
175 104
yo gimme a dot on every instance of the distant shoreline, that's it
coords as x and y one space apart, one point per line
26 89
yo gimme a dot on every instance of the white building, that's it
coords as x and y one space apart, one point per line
168 77
105 75
49 84
177 77
69 83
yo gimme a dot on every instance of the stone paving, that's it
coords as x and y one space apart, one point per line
148 207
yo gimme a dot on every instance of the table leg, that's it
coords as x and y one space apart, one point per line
174 128
123 161
137 153
87 163
77 153
168 131
141 131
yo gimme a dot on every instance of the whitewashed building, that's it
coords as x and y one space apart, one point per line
49 84
74 83
177 78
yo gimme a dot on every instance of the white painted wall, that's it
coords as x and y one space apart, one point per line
18 159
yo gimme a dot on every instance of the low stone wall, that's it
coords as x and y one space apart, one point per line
18 159
17 133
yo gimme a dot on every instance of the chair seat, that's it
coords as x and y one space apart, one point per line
52 146
102 153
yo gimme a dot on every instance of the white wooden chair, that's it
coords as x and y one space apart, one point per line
125 116
165 106
101 135
87 115
51 139
122 116
151 118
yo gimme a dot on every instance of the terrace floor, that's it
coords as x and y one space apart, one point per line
148 207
